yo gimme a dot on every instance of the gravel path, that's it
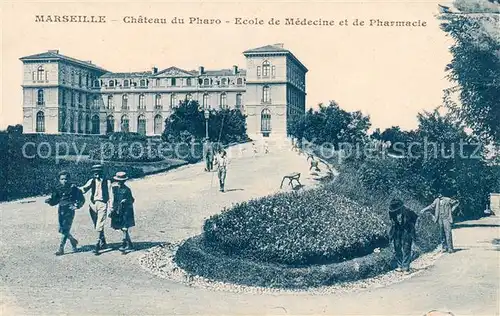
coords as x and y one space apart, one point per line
171 207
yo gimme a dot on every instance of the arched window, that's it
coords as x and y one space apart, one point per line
265 120
173 100
142 104
206 82
96 125
40 73
71 122
141 125
40 98
238 101
158 124
110 124
126 83
125 125
265 68
125 102
88 125
111 83
158 101
223 100
40 122
81 123
206 105
239 81
266 96
110 102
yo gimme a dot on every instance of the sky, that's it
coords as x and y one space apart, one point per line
389 73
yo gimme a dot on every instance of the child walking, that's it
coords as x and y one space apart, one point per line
69 198
122 211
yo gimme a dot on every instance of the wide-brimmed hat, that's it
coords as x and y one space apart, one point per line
97 168
395 205
120 176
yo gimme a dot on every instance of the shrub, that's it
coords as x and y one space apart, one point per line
310 227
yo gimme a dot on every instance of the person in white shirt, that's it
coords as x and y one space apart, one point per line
100 200
222 168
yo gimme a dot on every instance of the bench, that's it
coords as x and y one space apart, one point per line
292 176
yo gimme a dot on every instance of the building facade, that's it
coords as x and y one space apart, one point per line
66 95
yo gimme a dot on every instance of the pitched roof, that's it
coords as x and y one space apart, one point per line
275 48
136 74
223 72
57 56
174 71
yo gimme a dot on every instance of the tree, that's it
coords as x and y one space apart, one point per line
475 66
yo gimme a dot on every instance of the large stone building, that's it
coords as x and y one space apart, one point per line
65 95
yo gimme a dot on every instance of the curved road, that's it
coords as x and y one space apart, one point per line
172 206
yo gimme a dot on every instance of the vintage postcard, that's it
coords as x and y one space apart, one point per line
250 157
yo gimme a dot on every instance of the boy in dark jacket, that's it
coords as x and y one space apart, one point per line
69 198
402 233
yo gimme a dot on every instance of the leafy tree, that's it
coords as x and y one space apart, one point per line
188 121
475 65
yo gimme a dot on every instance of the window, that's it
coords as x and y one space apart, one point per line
239 81
206 82
96 84
81 123
80 80
173 100
273 71
158 124
158 101
258 71
265 69
157 82
40 122
111 83
223 100
238 101
142 83
71 122
40 74
72 98
73 78
224 82
77 99
62 121
142 101
266 94
88 125
126 83
63 75
141 125
110 102
125 102
96 125
173 82
205 101
188 82
96 102
265 120
88 104
110 124
40 99
125 124
86 80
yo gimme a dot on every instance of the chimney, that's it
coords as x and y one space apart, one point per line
235 70
88 61
280 45
154 70
55 51
201 70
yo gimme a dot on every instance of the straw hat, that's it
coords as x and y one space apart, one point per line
120 176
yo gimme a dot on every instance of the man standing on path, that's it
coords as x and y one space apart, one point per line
442 210
100 198
402 233
222 168
208 154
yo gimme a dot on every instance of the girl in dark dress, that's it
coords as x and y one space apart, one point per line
69 198
122 213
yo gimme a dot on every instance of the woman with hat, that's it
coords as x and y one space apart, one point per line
402 233
122 211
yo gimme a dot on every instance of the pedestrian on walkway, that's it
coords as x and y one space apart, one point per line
442 209
402 233
100 200
208 154
254 147
122 210
266 147
222 168
69 199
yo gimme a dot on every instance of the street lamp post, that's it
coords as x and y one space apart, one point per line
207 114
